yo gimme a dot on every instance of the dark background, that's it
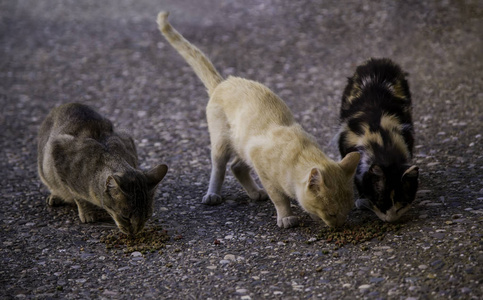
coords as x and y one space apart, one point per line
110 55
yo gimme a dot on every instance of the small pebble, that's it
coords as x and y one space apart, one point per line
136 254
230 257
364 288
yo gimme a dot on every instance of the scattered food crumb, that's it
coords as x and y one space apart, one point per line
355 234
150 239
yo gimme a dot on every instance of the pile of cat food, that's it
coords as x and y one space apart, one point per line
357 233
150 240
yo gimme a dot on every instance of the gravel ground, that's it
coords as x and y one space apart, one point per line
110 55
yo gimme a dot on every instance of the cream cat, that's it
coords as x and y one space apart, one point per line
249 122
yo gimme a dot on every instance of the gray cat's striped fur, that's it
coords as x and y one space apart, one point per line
82 160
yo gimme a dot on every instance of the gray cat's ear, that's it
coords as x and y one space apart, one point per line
411 173
113 187
349 163
155 175
112 182
315 180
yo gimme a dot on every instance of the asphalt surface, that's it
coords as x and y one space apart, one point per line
110 55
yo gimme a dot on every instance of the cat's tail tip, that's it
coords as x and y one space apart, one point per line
162 18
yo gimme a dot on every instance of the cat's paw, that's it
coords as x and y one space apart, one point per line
211 199
259 195
87 217
288 222
54 200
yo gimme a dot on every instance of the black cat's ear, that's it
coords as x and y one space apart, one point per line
411 173
376 171
315 180
377 177
155 175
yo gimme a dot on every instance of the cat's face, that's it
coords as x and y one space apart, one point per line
329 194
129 197
389 191
330 205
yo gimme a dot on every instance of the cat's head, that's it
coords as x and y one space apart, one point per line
390 190
329 192
129 197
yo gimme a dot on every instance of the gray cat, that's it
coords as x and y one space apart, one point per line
83 161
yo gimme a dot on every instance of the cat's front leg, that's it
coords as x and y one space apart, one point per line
87 211
285 217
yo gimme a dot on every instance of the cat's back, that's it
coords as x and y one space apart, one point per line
77 120
252 102
378 86
376 111
74 137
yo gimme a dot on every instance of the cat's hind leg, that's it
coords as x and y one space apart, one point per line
220 153
242 173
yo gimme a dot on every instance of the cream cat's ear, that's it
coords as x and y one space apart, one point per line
349 163
155 175
315 180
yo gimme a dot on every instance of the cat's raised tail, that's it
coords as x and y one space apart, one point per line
193 56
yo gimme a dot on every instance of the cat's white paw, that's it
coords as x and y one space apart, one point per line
212 199
288 222
259 195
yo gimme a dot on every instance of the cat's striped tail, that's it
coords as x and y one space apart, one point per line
193 56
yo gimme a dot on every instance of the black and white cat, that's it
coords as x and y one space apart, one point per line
376 121
82 160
